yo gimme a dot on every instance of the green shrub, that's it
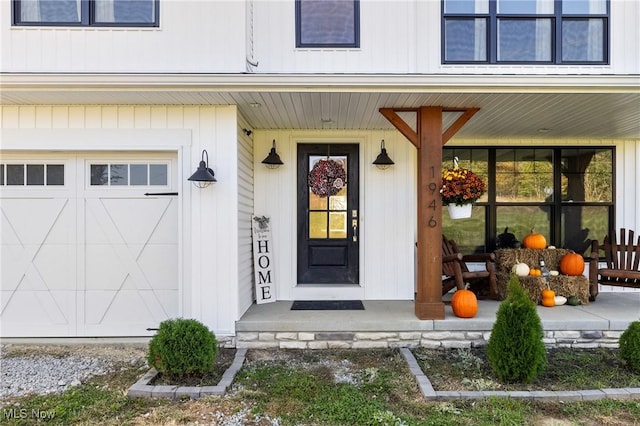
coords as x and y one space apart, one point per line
515 350
630 345
183 347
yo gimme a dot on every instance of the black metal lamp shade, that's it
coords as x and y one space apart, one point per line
273 159
203 176
383 161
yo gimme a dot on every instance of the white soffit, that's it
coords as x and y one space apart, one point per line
602 107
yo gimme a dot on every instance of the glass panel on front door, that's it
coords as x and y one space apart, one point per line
328 215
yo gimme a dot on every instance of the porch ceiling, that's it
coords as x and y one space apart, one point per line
558 107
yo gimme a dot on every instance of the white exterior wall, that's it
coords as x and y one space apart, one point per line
388 203
208 217
245 217
404 37
387 209
194 36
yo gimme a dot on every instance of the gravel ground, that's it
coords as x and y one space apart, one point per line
44 369
32 369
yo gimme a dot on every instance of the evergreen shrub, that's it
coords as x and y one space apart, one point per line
515 350
183 347
630 345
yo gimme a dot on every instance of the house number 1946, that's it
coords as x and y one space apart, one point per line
433 187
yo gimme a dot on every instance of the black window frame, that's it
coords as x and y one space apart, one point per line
356 30
557 19
87 18
556 204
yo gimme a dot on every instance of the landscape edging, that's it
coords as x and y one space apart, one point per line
142 388
579 395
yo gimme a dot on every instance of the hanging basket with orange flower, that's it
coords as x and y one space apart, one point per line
461 186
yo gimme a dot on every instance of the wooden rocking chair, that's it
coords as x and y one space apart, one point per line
456 273
622 262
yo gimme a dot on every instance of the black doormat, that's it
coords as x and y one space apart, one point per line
327 305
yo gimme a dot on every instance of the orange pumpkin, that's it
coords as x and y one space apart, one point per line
534 240
548 298
464 304
572 264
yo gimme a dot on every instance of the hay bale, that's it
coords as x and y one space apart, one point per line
563 285
506 258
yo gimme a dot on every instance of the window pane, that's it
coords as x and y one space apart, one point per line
525 7
327 22
125 11
466 6
1 174
581 224
316 202
15 174
338 225
158 174
55 174
524 175
467 233
583 40
119 174
339 201
318 225
587 175
138 174
465 39
520 220
99 174
35 174
584 7
524 40
54 11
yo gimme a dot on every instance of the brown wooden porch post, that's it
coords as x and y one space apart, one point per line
429 303
429 140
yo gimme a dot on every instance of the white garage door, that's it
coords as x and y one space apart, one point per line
84 252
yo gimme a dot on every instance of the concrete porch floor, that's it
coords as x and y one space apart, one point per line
394 324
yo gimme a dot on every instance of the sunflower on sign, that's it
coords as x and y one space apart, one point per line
461 186
326 178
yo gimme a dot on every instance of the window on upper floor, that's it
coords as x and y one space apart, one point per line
525 31
98 13
566 193
327 23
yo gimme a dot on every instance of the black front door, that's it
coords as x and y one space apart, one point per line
328 216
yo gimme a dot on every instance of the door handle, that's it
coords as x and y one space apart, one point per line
354 226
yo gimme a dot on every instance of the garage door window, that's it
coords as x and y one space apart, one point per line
31 174
129 174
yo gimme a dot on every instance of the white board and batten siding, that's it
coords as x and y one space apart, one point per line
193 36
388 204
396 37
204 282
387 212
404 37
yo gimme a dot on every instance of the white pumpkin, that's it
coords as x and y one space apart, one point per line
560 300
554 273
520 269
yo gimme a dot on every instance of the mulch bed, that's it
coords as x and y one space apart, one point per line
212 378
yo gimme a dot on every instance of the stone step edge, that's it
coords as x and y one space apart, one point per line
142 388
580 395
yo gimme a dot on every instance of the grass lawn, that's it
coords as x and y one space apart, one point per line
329 387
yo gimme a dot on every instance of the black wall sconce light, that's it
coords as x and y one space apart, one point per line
383 161
204 176
273 160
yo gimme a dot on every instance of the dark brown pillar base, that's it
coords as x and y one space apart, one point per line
429 310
